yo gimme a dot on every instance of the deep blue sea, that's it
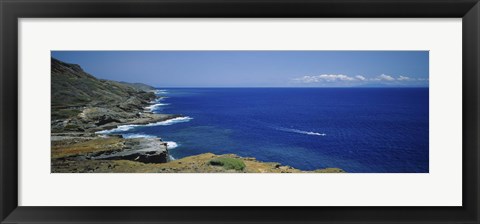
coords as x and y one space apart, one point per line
366 130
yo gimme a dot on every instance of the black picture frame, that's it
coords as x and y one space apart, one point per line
12 10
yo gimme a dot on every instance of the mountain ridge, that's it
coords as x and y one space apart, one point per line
82 102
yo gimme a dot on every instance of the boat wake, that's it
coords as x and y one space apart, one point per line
301 132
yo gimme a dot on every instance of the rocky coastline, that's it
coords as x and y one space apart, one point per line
84 107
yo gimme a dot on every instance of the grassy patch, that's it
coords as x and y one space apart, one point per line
228 163
86 147
64 113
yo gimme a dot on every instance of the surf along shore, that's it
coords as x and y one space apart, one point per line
86 111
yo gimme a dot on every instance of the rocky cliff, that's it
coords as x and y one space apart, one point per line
82 103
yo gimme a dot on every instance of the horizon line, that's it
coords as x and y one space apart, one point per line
278 87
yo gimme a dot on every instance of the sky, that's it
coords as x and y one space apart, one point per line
256 68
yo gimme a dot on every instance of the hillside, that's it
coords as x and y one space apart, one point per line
139 86
82 102
71 86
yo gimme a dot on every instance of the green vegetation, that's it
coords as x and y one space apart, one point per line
139 86
71 86
79 101
64 113
228 163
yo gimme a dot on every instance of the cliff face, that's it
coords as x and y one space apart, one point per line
73 87
80 102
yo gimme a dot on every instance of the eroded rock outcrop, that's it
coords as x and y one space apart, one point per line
77 147
145 150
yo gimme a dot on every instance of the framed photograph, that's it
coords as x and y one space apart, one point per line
239 111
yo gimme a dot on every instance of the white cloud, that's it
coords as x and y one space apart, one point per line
403 78
384 77
325 78
346 80
331 78
361 77
305 79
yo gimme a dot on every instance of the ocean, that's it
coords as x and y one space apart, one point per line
360 130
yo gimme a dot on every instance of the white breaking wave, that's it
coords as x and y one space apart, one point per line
171 145
117 129
131 126
160 91
155 106
301 132
171 121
